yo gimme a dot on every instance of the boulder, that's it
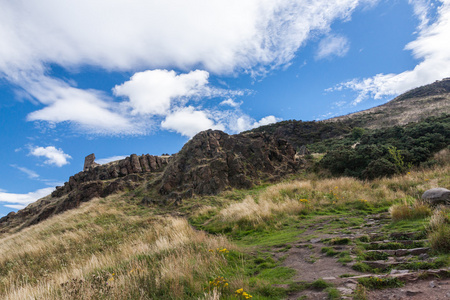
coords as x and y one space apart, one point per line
437 196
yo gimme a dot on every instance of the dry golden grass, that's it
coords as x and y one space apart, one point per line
409 211
302 196
99 252
439 230
259 212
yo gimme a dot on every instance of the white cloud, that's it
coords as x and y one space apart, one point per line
54 156
109 159
244 122
25 199
188 121
31 174
332 45
154 92
432 47
231 103
15 206
219 37
88 109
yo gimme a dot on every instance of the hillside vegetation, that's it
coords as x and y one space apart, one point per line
246 217
228 246
368 154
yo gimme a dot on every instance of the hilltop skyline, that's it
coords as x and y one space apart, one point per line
114 78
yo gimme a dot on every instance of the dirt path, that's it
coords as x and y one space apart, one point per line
325 251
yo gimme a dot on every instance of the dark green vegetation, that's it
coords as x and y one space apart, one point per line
385 152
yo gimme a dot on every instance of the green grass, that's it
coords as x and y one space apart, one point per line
376 283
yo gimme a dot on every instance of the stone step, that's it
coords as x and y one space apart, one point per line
382 264
404 242
411 276
403 252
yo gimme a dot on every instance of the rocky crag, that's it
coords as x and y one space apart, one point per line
209 163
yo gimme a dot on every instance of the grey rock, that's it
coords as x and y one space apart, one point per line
89 162
437 196
412 292
345 291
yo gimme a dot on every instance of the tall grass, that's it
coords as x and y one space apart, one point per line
410 210
274 204
439 230
98 252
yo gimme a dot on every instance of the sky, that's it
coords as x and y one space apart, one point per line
118 77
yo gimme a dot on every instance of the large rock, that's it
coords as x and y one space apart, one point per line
213 161
437 196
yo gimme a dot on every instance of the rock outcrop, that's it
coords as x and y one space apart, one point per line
131 165
437 196
213 161
209 163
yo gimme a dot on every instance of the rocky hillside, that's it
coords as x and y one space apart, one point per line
214 161
209 163
412 106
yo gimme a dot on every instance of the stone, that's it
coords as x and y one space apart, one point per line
418 251
437 196
135 164
345 291
213 161
89 162
432 284
412 292
315 241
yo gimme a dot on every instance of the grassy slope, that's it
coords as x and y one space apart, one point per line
115 248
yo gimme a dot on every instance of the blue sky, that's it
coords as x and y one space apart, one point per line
119 77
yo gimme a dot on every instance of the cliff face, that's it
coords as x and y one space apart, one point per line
214 161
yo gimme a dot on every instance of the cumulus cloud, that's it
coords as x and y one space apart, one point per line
332 45
89 109
154 92
188 121
431 47
54 156
19 201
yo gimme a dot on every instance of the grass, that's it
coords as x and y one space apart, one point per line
376 283
410 210
115 248
439 230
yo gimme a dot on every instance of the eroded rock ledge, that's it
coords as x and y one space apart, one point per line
130 165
